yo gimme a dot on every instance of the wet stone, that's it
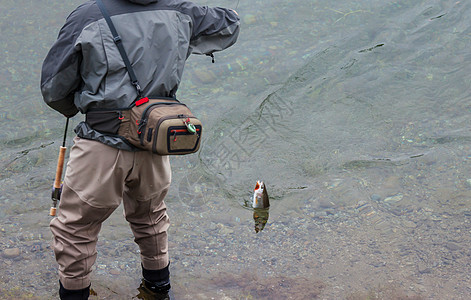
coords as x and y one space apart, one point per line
409 224
11 253
325 204
423 268
453 246
376 197
224 229
330 212
394 199
115 272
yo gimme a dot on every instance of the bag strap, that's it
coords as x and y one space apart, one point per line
117 40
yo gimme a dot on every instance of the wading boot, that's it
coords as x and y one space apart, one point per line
155 284
151 291
66 294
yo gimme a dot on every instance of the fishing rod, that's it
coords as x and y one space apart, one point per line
57 188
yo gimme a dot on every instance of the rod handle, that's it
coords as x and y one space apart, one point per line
60 168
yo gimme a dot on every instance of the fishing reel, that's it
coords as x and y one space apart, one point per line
56 197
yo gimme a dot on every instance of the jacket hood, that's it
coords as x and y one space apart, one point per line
143 2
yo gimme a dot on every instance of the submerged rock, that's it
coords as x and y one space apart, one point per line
11 252
394 199
453 246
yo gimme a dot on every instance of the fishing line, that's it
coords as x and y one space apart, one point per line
65 132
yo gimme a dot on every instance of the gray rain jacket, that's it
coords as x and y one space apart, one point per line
84 70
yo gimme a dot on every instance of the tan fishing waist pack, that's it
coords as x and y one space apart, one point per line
163 126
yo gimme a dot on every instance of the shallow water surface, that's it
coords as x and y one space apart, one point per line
356 114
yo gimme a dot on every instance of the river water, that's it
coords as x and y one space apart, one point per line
356 114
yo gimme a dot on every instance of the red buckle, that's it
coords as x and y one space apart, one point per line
142 101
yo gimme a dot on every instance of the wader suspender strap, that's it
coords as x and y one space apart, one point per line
117 40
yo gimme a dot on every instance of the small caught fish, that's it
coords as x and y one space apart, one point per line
260 196
260 205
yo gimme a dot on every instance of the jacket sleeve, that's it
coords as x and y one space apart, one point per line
214 29
60 76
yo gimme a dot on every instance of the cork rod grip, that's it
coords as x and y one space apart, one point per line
52 211
60 168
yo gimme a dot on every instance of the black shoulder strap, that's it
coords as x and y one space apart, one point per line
117 40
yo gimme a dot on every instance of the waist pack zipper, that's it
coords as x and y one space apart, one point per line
175 131
156 132
145 115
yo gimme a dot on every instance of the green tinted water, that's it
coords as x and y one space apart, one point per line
355 114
